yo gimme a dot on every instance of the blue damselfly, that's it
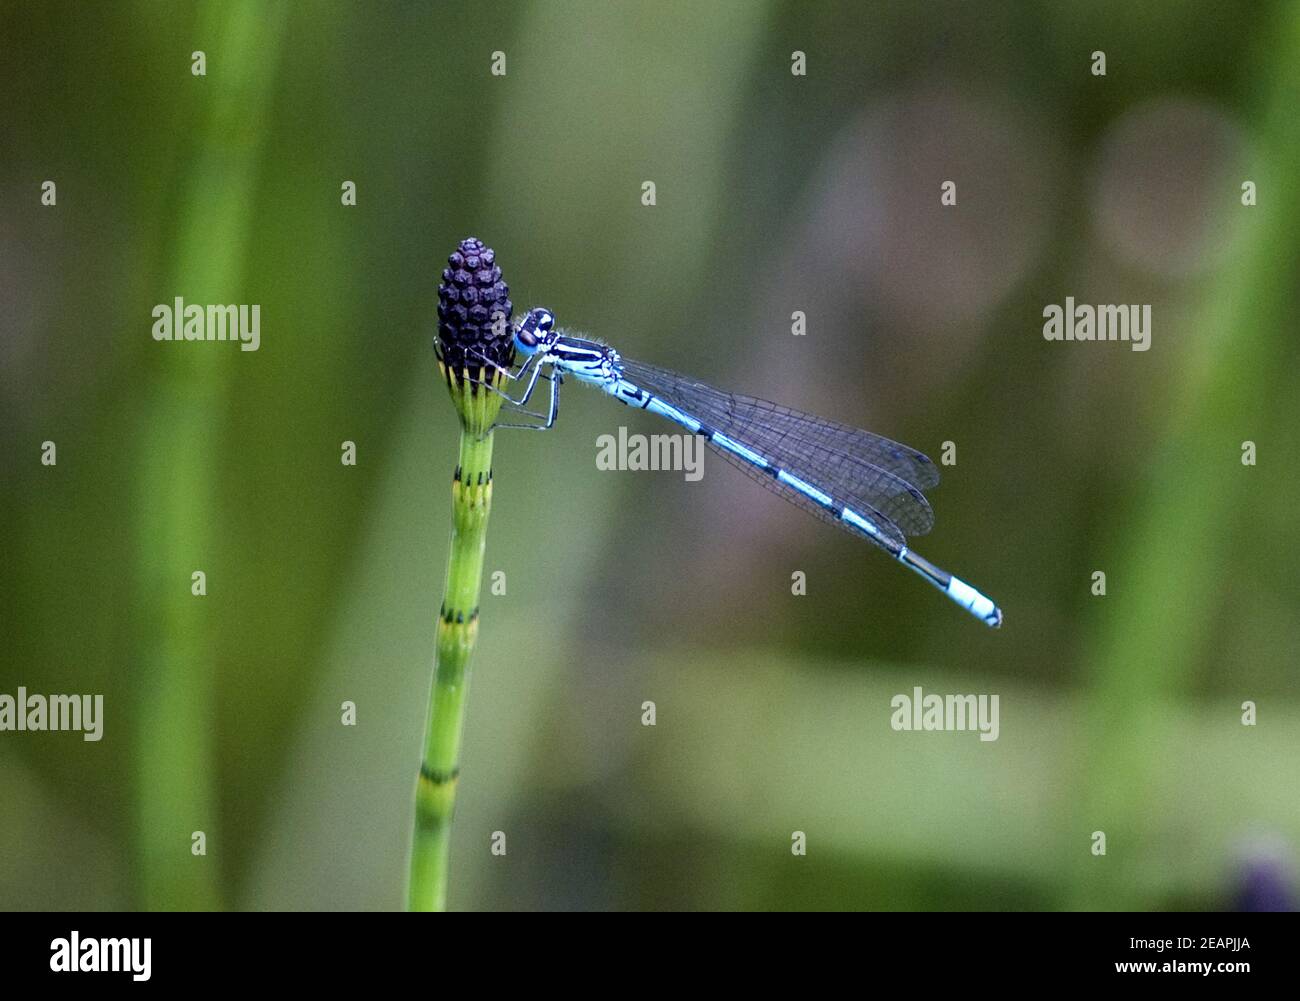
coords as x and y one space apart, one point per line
865 484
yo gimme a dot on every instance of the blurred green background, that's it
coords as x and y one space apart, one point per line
775 193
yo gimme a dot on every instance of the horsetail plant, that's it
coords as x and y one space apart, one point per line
474 348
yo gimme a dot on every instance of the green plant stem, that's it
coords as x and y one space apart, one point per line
435 796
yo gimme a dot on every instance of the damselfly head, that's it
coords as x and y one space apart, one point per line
536 332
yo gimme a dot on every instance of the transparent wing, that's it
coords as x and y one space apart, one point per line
873 475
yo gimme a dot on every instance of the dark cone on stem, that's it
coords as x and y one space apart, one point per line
475 342
474 311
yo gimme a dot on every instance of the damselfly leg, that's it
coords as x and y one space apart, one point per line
516 376
538 364
555 378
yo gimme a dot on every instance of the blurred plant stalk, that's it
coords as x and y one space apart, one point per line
176 764
471 503
1242 337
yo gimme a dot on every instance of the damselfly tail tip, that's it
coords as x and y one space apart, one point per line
979 605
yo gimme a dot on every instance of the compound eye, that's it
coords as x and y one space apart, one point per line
527 338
